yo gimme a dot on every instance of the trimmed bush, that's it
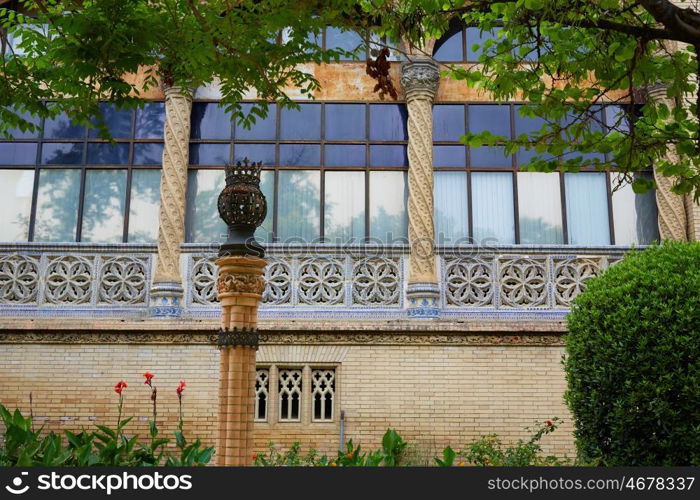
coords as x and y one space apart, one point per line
633 360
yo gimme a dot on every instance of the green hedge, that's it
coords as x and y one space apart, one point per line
633 360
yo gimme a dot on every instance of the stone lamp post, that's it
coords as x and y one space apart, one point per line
240 286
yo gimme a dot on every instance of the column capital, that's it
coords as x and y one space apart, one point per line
420 79
176 91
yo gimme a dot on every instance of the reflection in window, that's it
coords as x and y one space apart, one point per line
449 156
118 122
262 129
148 153
476 36
388 156
451 208
61 127
492 117
345 155
489 156
103 211
203 225
107 154
264 153
299 205
150 120
387 205
303 124
210 121
634 215
449 48
492 206
17 153
144 205
57 205
17 133
300 154
209 154
350 41
344 206
267 186
15 204
539 208
587 208
62 153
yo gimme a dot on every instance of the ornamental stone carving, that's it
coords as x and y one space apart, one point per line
69 280
420 79
124 280
376 281
203 279
240 283
469 282
278 283
321 281
19 279
570 276
523 282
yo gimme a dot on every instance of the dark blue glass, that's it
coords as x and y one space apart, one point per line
304 124
345 122
388 156
17 153
263 129
449 48
66 153
344 155
476 36
388 122
616 118
118 122
16 133
569 154
148 153
448 122
264 153
150 120
61 127
346 40
525 156
489 156
210 121
209 154
300 154
527 125
108 154
449 156
492 117
592 118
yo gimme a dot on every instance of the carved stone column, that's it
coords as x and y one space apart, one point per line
673 220
167 291
420 80
240 286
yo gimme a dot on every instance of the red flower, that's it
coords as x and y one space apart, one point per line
255 456
148 376
119 386
180 387
549 423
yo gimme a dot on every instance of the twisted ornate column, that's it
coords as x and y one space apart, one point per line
420 80
167 291
240 286
673 220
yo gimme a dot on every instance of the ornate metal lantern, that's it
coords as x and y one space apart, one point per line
243 207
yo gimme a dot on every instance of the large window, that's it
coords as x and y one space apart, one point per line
65 184
482 197
333 170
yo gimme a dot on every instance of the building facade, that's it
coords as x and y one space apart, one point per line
412 282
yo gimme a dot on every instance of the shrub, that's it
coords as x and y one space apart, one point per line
633 360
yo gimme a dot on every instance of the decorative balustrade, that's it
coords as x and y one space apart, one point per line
301 281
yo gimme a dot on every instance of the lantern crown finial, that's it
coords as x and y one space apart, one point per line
245 172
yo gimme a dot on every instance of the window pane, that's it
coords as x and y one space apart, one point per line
346 155
103 210
302 124
344 206
449 156
539 208
61 127
587 208
67 153
107 154
57 205
300 154
634 215
298 214
15 204
118 122
264 153
148 154
489 156
150 120
492 117
17 153
492 205
448 122
263 129
476 36
203 224
267 186
388 193
388 156
451 208
16 133
209 154
388 122
527 125
345 122
449 48
346 40
144 205
210 121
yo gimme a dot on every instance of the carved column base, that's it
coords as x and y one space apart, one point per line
166 300
423 300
